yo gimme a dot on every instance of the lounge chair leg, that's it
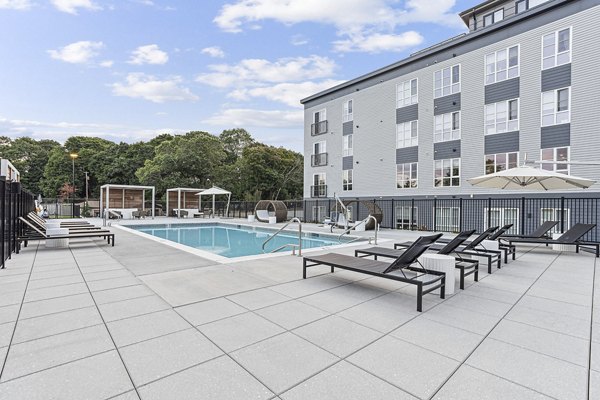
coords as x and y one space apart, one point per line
462 279
489 260
577 249
476 274
304 269
419 298
443 288
332 269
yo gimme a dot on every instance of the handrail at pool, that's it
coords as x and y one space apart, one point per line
364 221
295 219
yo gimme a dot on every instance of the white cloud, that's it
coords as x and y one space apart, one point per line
257 118
15 4
213 51
286 93
299 40
252 72
377 20
148 87
78 52
379 42
150 54
107 63
71 6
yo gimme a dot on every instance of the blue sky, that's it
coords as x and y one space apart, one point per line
128 70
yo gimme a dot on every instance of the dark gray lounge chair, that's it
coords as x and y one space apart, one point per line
471 249
504 247
399 270
570 237
540 232
37 234
72 228
465 265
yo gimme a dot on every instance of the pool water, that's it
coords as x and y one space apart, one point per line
230 240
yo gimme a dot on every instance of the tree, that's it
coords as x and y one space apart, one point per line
57 172
234 142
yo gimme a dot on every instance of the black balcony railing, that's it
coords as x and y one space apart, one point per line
318 128
318 160
318 191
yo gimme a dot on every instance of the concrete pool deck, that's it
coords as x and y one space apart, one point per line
142 320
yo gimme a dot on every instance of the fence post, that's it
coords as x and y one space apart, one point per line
394 224
460 214
522 216
412 215
562 215
489 214
435 214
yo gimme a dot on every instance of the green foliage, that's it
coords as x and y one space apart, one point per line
232 160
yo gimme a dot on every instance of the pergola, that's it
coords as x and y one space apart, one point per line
125 197
215 191
180 198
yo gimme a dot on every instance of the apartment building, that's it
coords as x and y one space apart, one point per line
524 82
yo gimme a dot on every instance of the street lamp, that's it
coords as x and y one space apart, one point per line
73 157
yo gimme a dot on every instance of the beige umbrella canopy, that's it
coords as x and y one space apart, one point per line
530 178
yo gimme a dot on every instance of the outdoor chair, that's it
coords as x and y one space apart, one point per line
37 234
465 265
183 213
41 222
572 236
136 214
262 215
504 248
540 232
71 228
114 214
401 269
471 249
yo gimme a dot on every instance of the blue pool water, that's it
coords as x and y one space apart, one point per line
230 240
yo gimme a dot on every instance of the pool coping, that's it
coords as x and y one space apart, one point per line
225 260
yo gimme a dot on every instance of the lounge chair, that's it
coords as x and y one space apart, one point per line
71 228
40 235
465 265
114 214
540 232
504 247
63 224
262 215
570 237
471 249
399 270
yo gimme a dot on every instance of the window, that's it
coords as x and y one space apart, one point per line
447 127
318 213
500 162
501 217
556 107
447 81
405 219
502 65
521 6
446 172
559 157
347 149
406 175
407 134
407 93
347 179
319 188
502 117
447 219
319 125
319 156
494 17
319 116
556 48
347 111
558 215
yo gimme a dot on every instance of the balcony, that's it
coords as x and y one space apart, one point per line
318 191
318 128
318 160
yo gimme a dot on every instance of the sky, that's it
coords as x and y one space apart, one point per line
129 70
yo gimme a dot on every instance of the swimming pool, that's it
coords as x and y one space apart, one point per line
230 240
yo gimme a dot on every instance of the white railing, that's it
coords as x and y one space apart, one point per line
293 246
364 221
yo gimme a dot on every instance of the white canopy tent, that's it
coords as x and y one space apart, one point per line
215 191
105 190
181 198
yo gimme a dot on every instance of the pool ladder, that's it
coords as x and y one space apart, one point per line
364 221
293 246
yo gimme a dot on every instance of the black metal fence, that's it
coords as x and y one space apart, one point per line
14 203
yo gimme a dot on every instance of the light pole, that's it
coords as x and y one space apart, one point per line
86 190
73 157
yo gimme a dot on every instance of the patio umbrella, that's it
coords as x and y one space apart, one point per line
531 178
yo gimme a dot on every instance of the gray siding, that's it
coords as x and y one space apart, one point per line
348 128
556 136
407 155
556 78
408 113
348 162
502 143
450 149
505 90
446 104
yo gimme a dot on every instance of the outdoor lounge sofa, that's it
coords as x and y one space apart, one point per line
400 269
33 233
570 237
471 249
465 265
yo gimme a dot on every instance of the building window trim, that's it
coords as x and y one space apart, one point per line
494 17
507 164
348 111
556 113
554 165
556 53
347 145
347 180
453 180
404 134
441 122
401 88
510 123
410 175
497 72
454 86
